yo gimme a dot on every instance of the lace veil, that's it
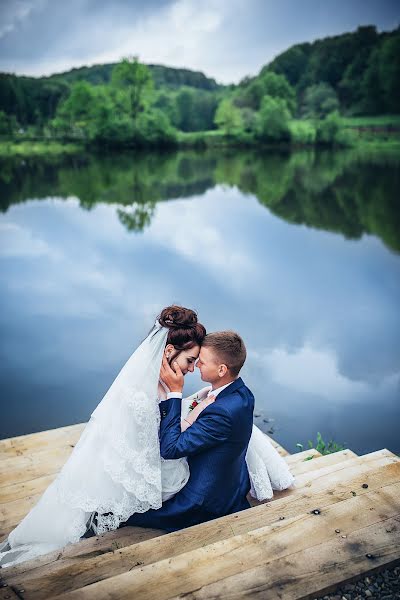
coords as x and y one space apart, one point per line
115 468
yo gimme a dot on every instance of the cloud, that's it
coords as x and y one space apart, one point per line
16 241
200 233
226 40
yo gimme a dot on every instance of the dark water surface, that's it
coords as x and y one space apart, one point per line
299 253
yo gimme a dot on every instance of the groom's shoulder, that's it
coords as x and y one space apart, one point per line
239 387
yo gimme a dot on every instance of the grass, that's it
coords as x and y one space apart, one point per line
376 121
37 148
321 446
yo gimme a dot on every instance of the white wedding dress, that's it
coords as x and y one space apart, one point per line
116 469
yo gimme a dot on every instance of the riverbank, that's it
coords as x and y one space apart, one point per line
39 148
371 133
47 149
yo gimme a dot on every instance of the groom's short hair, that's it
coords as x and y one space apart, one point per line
229 347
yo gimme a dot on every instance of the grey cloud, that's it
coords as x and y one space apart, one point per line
39 36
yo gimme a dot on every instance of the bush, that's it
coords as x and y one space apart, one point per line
330 130
302 132
153 127
273 120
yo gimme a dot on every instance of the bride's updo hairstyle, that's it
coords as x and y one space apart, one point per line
184 329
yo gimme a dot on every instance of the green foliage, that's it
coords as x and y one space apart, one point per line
302 132
267 84
153 127
273 120
194 111
30 100
228 117
134 77
323 447
319 100
355 73
8 124
330 131
164 77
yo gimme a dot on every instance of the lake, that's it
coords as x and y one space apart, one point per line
300 253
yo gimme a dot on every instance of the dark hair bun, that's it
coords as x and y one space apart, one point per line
177 317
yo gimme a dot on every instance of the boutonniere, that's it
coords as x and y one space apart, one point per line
195 402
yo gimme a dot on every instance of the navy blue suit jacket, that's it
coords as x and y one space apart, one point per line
215 447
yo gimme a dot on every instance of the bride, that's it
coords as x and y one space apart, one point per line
116 469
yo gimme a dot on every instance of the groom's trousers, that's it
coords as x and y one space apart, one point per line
175 514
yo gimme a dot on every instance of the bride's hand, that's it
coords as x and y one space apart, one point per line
173 379
192 416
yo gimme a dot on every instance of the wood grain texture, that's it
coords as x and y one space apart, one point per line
370 522
56 577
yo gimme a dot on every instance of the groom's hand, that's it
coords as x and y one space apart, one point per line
173 379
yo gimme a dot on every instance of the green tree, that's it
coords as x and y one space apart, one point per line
228 117
328 130
267 84
277 86
319 100
273 120
185 109
136 78
389 71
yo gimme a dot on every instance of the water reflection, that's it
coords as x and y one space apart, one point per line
345 192
319 313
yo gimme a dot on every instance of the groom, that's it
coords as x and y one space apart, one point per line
215 444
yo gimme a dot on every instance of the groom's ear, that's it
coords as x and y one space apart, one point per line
222 370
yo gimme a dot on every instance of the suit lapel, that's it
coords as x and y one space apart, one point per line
232 387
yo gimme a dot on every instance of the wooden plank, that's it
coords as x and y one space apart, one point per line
25 468
35 487
303 480
7 593
63 436
193 570
71 574
84 550
305 455
328 459
17 491
313 572
33 442
12 512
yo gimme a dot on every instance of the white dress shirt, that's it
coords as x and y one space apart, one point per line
218 390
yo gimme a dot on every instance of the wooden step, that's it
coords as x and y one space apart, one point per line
48 576
13 511
304 551
304 455
308 466
34 442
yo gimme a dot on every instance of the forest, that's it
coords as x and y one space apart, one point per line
304 96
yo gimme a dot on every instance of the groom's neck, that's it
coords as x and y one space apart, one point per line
222 381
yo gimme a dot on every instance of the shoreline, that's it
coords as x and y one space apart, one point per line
50 148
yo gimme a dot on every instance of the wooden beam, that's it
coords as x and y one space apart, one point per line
33 442
59 576
370 523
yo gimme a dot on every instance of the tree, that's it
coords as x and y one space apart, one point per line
137 80
273 120
319 100
389 70
266 84
228 117
277 86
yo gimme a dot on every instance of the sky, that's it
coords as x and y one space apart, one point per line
224 39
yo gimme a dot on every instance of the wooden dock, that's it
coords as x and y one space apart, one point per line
340 522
